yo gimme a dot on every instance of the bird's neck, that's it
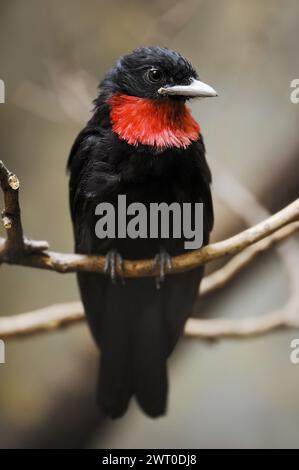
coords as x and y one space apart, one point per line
159 123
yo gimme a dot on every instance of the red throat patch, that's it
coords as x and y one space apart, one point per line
159 123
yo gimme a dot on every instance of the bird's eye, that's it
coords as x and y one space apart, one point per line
154 75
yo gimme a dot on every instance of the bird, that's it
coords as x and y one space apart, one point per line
141 141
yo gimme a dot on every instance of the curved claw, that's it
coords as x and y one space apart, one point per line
112 260
164 262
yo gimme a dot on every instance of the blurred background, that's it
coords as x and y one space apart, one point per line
52 56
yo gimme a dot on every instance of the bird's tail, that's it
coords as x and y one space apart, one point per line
150 369
114 386
133 362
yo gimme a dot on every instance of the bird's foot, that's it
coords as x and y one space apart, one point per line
163 261
113 261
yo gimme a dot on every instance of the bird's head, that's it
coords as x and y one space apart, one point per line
146 93
154 73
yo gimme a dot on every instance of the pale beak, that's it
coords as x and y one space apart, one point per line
196 89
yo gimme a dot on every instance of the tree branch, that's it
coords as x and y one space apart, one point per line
11 214
232 268
15 246
286 318
16 249
67 263
65 314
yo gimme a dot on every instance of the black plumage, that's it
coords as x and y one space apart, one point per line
135 325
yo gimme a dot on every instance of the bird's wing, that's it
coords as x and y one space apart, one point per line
91 180
79 155
205 185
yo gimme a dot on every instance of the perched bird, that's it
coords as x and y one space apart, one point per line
142 142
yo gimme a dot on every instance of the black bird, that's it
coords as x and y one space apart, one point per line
141 141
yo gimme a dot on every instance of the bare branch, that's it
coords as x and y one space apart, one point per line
65 314
66 263
11 214
17 250
231 269
247 206
15 245
45 319
286 318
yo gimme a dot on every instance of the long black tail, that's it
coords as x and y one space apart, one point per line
133 353
150 370
136 327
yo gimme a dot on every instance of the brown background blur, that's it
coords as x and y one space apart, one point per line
52 55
